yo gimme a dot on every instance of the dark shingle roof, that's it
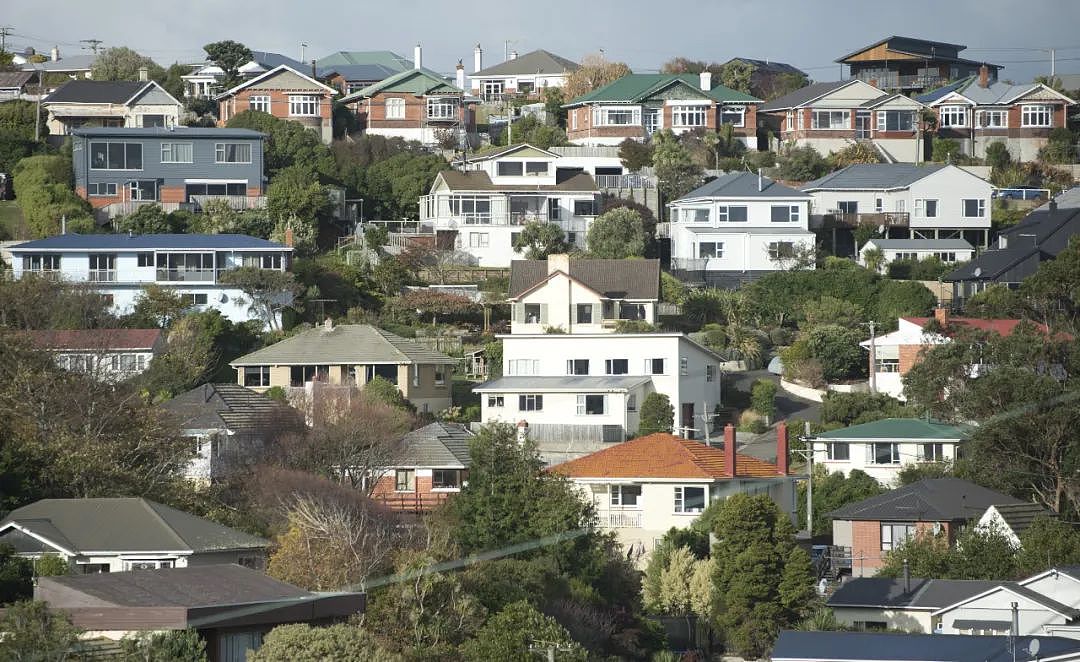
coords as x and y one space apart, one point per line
436 445
617 279
540 61
96 91
743 185
148 242
802 95
870 646
353 344
127 525
889 592
229 407
928 500
1019 516
873 176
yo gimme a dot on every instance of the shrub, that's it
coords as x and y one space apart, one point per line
751 421
763 397
801 164
656 415
837 349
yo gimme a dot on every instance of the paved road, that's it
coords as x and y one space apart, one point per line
788 406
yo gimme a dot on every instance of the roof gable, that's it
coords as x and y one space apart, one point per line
635 88
118 92
230 407
293 75
417 82
436 445
927 500
537 62
805 95
615 279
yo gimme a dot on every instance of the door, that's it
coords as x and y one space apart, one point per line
687 421
862 124
652 120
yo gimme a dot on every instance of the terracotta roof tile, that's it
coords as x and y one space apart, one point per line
999 326
95 339
662 455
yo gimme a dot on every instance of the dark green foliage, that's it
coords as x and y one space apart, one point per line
837 349
997 155
122 63
40 303
34 632
896 299
1060 147
995 302
1048 542
946 150
341 642
617 234
513 632
229 56
503 581
848 409
168 646
913 473
676 173
801 164
150 219
16 576
763 397
530 130
833 490
539 239
386 392
976 554
635 154
656 415
394 185
287 144
43 191
17 132
928 268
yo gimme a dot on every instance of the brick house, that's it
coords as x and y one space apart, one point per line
286 94
429 466
637 105
866 530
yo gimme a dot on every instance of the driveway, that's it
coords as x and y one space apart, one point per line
788 406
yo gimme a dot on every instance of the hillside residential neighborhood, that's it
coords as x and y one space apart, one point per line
506 342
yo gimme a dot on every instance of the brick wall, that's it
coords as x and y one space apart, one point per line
279 104
909 356
171 194
865 545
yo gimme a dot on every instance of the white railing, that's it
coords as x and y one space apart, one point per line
620 519
102 275
625 181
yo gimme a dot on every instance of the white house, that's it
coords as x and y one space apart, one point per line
1001 608
882 448
527 75
905 201
485 207
737 227
644 487
1012 519
949 251
115 103
109 355
120 265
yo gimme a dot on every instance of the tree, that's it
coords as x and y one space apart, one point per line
268 290
677 174
229 56
512 634
737 76
594 72
763 398
996 302
979 553
16 576
846 409
539 239
40 303
859 152
122 63
913 473
801 164
529 129
384 391
146 219
617 234
172 79
837 349
17 127
635 154
683 65
1053 291
393 186
391 275
657 414
168 646
288 143
301 642
45 197
831 310
835 490
1046 543
896 299
997 155
946 150
678 583
32 631
554 99
158 304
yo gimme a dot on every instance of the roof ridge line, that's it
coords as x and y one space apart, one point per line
156 515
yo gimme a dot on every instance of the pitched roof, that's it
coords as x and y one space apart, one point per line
417 82
229 407
742 184
123 242
1022 591
803 95
126 525
633 88
874 176
178 132
899 428
922 244
69 63
538 61
663 455
995 93
622 279
928 500
97 91
95 339
896 647
346 343
565 383
281 68
1019 516
385 59
916 46
436 445
999 326
478 180
16 79
268 60
890 592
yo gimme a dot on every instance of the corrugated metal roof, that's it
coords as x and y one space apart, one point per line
874 176
928 500
620 279
633 88
890 592
417 82
900 428
147 242
569 383
743 185
350 344
387 59
538 61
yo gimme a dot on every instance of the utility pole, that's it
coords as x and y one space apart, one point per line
548 649
37 110
808 455
873 355
92 44
4 32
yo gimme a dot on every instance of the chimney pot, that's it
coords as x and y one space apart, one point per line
478 58
418 57
984 76
705 80
459 75
941 315
781 449
729 451
144 74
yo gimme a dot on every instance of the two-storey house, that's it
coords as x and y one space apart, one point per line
119 265
350 71
736 228
902 201
119 169
351 355
527 75
978 112
638 105
882 448
109 355
286 94
114 103
907 64
483 207
204 82
832 116
586 383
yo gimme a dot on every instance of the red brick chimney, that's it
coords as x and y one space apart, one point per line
729 450
781 449
984 76
941 314
289 237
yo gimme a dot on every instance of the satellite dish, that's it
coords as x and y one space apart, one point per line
1033 647
978 271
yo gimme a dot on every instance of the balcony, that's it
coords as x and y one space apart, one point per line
890 219
895 81
620 519
185 275
102 275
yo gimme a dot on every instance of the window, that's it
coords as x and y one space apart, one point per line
143 189
830 119
536 167
689 499
395 108
193 298
263 260
884 453
617 366
954 116
709 249
894 534
475 209
478 239
115 156
590 405
688 115
101 189
523 367
1037 116
879 205
440 374
584 208
733 115
654 366
839 451
785 213
405 480
131 362
781 250
992 119
888 365
631 402
259 102
895 120
732 214
147 565
530 403
933 452
695 215
496 401
946 256
442 109
616 116
151 121
975 208
904 255
710 372
533 313
232 153
926 208
871 626
631 311
303 105
553 209
176 153
684 366
145 259
510 168
577 366
445 479
257 376
185 267
584 313
625 496
102 267
41 263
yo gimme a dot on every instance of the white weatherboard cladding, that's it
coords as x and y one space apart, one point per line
559 298
861 458
951 186
995 606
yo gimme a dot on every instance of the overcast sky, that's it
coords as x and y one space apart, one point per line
809 34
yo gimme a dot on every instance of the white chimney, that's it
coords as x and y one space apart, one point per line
459 80
478 58
418 57
54 54
144 74
513 55
706 80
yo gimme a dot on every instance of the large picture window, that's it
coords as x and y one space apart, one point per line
974 208
616 116
232 153
590 405
689 499
830 119
733 214
784 213
1037 116
475 210
257 376
625 496
895 120
992 119
894 534
530 403
710 249
839 451
688 115
885 453
304 105
733 115
41 263
115 156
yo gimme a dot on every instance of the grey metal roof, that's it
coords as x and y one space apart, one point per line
230 407
436 445
544 62
70 63
16 79
96 91
894 647
802 96
743 185
127 525
923 244
568 383
616 279
873 176
972 624
147 242
178 132
345 344
478 180
891 593
928 500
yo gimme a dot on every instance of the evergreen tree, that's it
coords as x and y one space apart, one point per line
675 170
656 414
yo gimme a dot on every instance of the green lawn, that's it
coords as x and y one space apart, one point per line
11 221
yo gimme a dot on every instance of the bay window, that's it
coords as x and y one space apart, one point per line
442 108
1036 116
954 116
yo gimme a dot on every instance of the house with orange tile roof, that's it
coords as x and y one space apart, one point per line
644 487
108 355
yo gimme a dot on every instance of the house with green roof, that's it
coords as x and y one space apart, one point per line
416 104
637 105
350 71
882 448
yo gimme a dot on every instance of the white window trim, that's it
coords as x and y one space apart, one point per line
951 111
298 105
981 115
727 110
220 151
394 108
601 113
172 150
1029 109
683 111
981 208
844 126
260 102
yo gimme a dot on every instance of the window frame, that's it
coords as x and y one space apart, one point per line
444 485
587 401
790 212
262 377
781 250
610 365
497 401
95 192
843 115
992 119
602 115
221 153
689 116
442 108
572 366
530 402
833 454
923 205
170 147
953 116
894 453
980 207
409 482
583 319
259 102
305 105
650 366
716 253
726 110
883 116
620 502
680 508
932 451
125 144
394 108
1029 111
909 532
724 215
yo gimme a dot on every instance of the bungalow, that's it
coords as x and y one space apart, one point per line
115 535
109 355
428 466
899 603
119 103
1007 608
527 75
643 487
286 94
949 251
882 448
